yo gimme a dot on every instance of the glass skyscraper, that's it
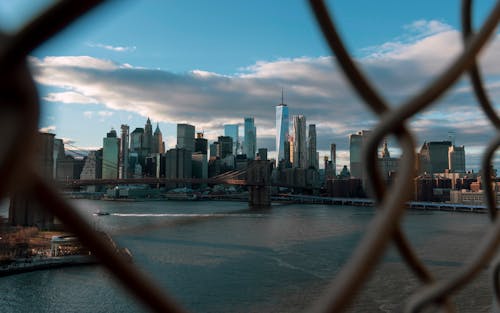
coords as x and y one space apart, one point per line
300 141
250 139
231 130
282 129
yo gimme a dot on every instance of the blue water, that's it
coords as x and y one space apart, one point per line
221 257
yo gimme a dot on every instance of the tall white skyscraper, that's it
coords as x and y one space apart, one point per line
250 139
282 129
300 141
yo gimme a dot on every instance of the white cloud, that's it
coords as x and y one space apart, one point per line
69 97
113 48
48 129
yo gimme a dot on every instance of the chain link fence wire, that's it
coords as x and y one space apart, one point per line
20 105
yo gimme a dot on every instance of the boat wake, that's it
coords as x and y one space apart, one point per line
187 215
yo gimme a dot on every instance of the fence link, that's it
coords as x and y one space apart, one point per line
20 110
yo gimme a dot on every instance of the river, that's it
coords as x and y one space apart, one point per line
221 257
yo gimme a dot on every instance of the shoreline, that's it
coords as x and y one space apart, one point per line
26 265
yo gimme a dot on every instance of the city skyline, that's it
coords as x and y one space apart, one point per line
104 77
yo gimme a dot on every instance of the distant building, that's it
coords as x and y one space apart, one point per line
250 139
178 163
136 140
69 168
59 153
200 165
433 157
214 148
312 153
262 154
92 169
225 146
231 130
124 151
299 141
200 144
158 144
386 164
356 145
185 137
456 159
333 158
110 155
282 130
147 141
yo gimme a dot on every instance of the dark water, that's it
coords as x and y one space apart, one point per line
220 257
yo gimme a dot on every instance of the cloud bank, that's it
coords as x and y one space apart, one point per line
313 86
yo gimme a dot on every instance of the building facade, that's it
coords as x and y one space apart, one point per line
312 153
110 155
185 137
250 139
282 130
231 130
299 141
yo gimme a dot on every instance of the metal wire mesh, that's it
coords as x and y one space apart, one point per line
20 104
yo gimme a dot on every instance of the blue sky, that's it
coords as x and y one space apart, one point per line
209 63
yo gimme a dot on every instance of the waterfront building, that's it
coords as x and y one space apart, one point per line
110 155
433 157
147 141
231 130
282 130
178 163
299 141
456 159
250 139
124 151
312 153
356 145
158 144
200 144
185 137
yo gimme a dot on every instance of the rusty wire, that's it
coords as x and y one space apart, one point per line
19 99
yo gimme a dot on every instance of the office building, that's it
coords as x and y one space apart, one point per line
299 141
200 144
250 139
124 151
282 129
225 146
158 144
136 140
356 145
262 154
231 130
178 163
92 169
312 153
456 159
147 141
433 157
333 158
110 155
185 137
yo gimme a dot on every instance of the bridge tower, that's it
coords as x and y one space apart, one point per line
258 180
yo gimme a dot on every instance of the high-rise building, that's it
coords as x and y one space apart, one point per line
225 146
147 141
136 140
433 157
110 155
456 159
231 130
250 139
185 137
282 129
178 163
92 169
356 145
333 158
312 153
158 144
386 164
299 141
200 144
262 154
124 151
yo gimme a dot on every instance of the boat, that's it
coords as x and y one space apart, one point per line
100 213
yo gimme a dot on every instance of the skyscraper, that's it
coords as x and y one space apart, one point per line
356 144
225 146
250 139
147 142
433 157
158 144
136 140
282 129
231 130
124 149
299 141
200 144
312 153
333 157
456 159
185 137
110 155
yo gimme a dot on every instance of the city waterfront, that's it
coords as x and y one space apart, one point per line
216 256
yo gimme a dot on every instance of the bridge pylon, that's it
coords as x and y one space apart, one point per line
259 180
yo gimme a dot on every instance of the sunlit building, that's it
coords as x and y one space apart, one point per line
250 139
110 155
299 141
282 129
